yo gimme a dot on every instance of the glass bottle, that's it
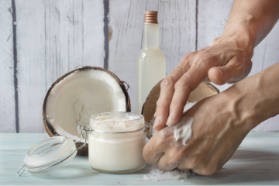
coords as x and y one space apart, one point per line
151 63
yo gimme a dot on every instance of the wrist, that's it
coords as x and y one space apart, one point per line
238 39
255 99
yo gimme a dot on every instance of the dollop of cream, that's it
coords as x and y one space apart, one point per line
183 130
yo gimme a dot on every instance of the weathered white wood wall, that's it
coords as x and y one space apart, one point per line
7 90
52 37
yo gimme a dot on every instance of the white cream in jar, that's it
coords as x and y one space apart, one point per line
116 142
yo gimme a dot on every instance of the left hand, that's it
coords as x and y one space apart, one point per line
224 61
217 131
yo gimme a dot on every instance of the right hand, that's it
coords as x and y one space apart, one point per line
223 62
217 130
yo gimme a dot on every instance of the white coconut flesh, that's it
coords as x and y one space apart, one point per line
81 94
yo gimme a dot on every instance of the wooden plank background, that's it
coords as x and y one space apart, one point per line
43 39
7 90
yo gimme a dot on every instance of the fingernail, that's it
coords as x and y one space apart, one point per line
170 121
157 122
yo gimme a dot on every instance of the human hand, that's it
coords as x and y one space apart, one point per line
222 62
217 130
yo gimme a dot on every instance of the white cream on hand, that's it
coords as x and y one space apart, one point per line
182 131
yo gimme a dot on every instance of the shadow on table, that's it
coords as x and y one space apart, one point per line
74 169
245 166
252 155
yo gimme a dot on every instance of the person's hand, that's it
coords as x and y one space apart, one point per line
223 62
218 129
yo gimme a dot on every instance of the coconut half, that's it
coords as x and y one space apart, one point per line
202 91
74 97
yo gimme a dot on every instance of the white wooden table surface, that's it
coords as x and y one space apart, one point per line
256 162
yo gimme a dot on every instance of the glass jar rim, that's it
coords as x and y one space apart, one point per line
122 112
139 117
106 132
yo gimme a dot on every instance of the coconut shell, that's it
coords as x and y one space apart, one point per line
51 130
202 91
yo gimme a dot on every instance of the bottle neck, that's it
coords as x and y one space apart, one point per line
150 35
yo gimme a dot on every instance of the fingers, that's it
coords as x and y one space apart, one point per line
154 149
195 68
171 158
167 90
187 83
235 70
167 162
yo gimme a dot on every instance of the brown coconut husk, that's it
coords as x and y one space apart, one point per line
202 91
51 130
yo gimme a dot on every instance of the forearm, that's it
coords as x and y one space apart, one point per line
249 22
256 98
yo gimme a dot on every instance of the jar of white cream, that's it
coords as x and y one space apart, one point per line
116 142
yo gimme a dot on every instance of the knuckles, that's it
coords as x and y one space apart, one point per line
179 70
205 171
183 83
188 56
159 142
216 40
146 153
206 168
194 162
167 82
174 157
201 57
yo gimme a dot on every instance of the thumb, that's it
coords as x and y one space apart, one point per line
232 72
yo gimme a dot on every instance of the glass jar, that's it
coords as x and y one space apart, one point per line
116 142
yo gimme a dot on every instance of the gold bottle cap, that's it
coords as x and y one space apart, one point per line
151 17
